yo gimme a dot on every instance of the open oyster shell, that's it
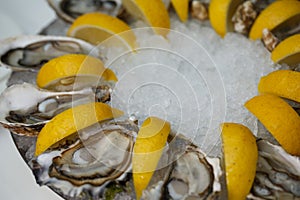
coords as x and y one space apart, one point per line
24 55
24 109
185 172
69 10
277 174
82 170
29 53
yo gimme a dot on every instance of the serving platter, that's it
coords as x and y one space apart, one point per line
26 144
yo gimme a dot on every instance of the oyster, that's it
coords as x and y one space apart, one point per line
29 53
69 10
277 174
24 55
24 109
102 154
184 172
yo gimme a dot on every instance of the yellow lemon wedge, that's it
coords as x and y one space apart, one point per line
274 15
181 8
240 156
97 27
147 151
288 51
281 120
283 83
71 65
72 120
220 15
152 12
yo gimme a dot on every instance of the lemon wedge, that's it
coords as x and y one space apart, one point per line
240 154
152 12
65 68
281 120
147 151
283 83
181 8
97 27
72 120
220 15
288 51
274 15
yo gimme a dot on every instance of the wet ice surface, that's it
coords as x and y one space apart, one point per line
194 79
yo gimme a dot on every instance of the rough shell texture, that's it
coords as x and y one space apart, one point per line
24 109
28 53
277 175
24 55
185 172
100 158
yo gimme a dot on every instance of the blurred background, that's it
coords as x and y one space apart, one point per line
16 180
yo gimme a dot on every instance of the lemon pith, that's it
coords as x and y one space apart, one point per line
275 14
288 51
153 12
281 120
97 27
181 8
70 65
72 120
220 14
241 154
283 83
147 151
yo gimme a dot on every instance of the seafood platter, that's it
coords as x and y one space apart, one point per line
160 99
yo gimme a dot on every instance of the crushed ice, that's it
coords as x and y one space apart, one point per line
194 79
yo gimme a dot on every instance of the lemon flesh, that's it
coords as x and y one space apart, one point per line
288 51
181 8
274 15
281 120
220 15
240 154
147 151
72 120
153 12
72 65
283 83
98 27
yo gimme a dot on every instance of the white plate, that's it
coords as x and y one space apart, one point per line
17 181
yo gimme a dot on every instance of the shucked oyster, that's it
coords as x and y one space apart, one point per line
24 109
184 172
69 10
26 54
83 170
277 174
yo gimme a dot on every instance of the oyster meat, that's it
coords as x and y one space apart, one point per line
184 172
24 55
24 109
69 10
102 154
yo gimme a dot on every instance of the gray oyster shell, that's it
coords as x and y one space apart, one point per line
69 10
99 159
277 174
24 55
185 172
24 108
28 53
